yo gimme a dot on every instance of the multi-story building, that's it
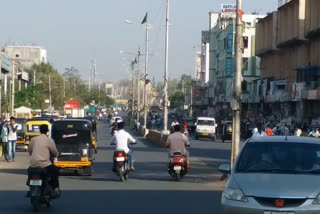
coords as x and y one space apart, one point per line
222 53
288 42
26 55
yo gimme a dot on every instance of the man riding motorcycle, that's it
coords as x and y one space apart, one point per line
121 139
177 142
41 150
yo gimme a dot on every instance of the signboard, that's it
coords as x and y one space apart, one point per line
228 11
71 104
5 65
229 43
229 67
23 76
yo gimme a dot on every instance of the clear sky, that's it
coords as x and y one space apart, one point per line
75 31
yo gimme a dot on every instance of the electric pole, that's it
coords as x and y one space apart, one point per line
165 90
133 97
145 76
138 87
50 99
13 88
236 98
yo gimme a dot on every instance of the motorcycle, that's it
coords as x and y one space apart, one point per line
177 166
121 165
41 193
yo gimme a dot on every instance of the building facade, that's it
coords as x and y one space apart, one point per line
222 54
288 43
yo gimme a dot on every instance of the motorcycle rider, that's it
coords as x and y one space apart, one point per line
177 142
41 150
121 138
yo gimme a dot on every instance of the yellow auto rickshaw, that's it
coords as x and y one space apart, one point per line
32 127
21 142
73 138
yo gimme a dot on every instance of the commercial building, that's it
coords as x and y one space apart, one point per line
222 53
288 43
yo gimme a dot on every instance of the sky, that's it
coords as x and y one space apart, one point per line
76 31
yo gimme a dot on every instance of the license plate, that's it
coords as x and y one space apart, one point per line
120 159
35 182
205 134
271 212
177 167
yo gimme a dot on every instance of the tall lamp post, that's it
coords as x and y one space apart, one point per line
165 90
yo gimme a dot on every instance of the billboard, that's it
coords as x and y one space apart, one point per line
71 104
228 11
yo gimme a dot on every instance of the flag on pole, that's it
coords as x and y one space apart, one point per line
145 19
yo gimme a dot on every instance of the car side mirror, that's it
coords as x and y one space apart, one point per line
225 168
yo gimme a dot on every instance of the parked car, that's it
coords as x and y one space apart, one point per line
274 175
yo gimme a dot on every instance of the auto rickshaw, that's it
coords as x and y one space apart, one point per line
226 130
32 127
73 138
93 123
21 141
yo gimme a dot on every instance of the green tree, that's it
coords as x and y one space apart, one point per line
177 100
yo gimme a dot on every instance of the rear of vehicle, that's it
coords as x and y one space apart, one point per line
32 128
121 163
21 141
275 175
73 139
206 128
177 166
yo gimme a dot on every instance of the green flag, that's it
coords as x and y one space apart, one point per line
145 19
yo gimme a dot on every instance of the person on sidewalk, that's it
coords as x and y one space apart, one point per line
178 142
4 139
259 133
12 139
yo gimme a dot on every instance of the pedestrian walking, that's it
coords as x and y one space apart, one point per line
297 132
269 131
12 139
259 133
4 139
315 133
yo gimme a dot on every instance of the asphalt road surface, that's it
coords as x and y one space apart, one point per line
149 190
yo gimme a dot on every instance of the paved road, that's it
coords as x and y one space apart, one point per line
149 190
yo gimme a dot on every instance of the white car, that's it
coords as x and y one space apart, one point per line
206 128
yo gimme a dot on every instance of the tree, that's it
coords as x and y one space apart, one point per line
177 100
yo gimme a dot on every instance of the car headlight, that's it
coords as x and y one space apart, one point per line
316 200
235 195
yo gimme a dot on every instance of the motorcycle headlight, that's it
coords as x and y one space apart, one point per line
316 200
235 195
84 152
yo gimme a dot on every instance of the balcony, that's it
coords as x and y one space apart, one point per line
266 34
312 23
291 23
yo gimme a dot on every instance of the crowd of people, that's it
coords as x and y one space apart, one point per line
283 130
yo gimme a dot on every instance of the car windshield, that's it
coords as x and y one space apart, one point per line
279 157
205 123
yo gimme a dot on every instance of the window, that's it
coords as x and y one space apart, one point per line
279 157
245 64
245 42
17 55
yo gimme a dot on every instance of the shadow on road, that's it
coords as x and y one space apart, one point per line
84 202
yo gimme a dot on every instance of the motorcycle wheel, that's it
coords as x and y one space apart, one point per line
48 203
178 177
36 204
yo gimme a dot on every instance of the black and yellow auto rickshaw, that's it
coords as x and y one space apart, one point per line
32 127
73 138
94 136
21 141
226 130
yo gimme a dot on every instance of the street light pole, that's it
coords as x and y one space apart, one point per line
138 88
50 99
145 75
236 98
13 88
165 111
